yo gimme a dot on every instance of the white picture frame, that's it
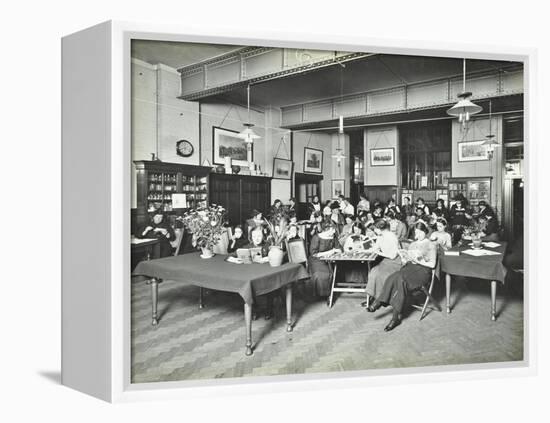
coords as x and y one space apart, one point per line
101 340
472 151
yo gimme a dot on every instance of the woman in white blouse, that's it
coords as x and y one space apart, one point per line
441 237
387 247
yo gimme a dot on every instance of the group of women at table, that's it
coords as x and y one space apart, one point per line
337 225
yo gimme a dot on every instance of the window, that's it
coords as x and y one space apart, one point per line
425 155
358 170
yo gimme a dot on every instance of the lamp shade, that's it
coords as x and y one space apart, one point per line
490 142
464 107
248 134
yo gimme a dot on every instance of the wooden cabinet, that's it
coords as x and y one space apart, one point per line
474 189
158 181
240 194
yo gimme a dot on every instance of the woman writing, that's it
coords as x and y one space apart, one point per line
417 272
237 241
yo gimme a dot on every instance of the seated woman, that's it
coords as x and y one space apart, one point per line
489 225
257 219
387 247
459 217
257 241
421 258
314 224
397 226
320 272
440 210
237 241
159 228
315 205
440 236
346 229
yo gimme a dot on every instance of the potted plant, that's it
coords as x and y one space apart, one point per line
475 231
278 229
207 225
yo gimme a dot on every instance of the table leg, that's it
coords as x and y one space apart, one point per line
448 291
331 297
248 326
493 300
201 292
289 307
154 299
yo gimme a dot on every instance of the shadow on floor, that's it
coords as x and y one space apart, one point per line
53 376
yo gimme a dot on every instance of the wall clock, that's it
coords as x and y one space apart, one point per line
184 148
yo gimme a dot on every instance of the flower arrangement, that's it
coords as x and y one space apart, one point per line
278 229
206 224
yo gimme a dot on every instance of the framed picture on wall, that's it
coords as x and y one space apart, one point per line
313 160
472 151
338 187
382 156
282 168
227 143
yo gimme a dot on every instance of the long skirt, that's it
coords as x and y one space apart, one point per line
380 273
400 284
320 277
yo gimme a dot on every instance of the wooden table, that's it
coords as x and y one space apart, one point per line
248 280
483 267
149 247
335 259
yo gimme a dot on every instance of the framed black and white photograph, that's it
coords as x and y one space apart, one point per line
186 301
338 187
472 151
282 168
313 160
227 143
382 157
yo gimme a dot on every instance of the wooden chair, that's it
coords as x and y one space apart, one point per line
427 291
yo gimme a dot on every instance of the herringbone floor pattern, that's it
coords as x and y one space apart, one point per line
190 343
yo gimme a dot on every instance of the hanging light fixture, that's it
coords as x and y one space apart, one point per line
339 154
490 142
248 134
464 109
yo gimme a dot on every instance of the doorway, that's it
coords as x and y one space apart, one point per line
306 186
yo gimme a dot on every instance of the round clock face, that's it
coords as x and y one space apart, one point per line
184 148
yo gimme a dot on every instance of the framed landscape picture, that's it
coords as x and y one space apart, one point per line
382 157
313 160
282 168
338 187
228 143
472 151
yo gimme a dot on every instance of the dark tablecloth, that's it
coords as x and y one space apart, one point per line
484 267
248 280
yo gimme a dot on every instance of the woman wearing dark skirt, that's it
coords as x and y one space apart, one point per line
320 272
421 259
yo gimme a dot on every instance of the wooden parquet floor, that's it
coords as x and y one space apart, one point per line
190 343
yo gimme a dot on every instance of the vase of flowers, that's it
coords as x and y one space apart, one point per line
278 229
207 226
475 232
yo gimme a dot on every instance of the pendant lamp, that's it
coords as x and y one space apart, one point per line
464 109
248 134
490 141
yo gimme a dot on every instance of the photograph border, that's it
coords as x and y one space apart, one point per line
305 157
372 150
